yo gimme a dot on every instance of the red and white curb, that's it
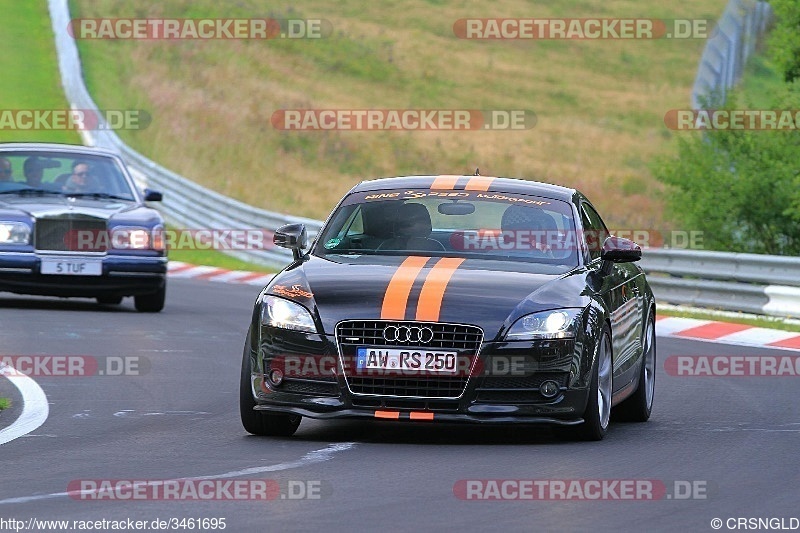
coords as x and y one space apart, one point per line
726 333
177 269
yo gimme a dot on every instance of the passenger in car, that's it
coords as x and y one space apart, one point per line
81 179
5 170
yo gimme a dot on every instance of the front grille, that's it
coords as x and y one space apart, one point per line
465 340
71 233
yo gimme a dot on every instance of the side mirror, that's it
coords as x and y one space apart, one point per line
152 196
293 237
619 250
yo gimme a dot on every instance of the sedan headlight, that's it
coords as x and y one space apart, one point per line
12 232
281 313
556 324
130 238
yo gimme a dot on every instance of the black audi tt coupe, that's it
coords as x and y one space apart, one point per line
453 299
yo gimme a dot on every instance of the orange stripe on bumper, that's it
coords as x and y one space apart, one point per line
420 416
444 182
430 299
387 414
479 183
396 298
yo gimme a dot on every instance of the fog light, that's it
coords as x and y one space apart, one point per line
549 388
276 377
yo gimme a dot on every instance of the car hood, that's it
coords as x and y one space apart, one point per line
490 294
46 206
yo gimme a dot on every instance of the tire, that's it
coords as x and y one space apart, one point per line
637 407
259 422
598 408
109 300
152 302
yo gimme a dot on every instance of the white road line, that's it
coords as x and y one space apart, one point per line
312 457
34 410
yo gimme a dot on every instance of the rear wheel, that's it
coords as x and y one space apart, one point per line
109 300
638 407
152 302
259 422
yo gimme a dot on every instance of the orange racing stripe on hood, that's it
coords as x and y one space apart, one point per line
395 300
444 182
479 183
430 299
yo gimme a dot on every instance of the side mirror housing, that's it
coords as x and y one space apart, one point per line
619 250
152 196
293 237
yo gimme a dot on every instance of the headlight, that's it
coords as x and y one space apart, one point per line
130 238
14 233
558 324
281 313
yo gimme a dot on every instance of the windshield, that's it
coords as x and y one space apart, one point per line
467 224
62 173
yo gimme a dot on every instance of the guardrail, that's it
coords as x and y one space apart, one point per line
739 282
186 204
752 283
734 39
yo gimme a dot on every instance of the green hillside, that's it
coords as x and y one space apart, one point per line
600 103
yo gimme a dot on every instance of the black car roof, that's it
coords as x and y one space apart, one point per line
458 183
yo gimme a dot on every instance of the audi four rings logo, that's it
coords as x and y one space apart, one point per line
407 334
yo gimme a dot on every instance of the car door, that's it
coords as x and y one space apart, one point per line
622 296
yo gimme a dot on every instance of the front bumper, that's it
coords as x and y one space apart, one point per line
502 386
122 275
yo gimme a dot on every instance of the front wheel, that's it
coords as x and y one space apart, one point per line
638 407
259 422
152 302
598 408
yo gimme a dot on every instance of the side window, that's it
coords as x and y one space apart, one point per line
594 230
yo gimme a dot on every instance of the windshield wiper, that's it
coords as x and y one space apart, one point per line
103 195
26 192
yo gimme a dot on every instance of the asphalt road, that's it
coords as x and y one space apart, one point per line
735 440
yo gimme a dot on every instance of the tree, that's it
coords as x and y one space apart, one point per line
741 188
784 39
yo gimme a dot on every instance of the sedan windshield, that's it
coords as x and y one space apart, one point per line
39 172
467 224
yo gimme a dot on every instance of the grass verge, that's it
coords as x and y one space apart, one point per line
216 259
5 403
29 77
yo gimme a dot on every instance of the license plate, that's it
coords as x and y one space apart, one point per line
407 359
71 267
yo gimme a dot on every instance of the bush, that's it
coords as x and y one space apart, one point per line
784 39
740 187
